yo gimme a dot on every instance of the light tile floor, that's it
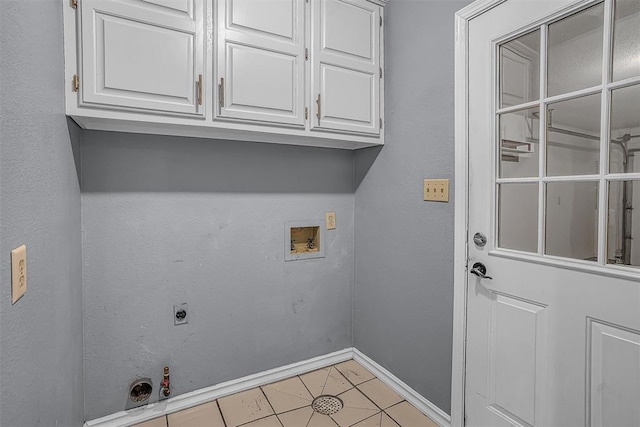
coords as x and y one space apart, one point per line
367 401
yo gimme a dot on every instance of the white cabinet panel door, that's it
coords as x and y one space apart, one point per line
346 65
143 55
261 60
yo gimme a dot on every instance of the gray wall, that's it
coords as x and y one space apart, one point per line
403 245
40 336
169 220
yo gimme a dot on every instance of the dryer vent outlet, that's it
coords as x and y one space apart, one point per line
140 390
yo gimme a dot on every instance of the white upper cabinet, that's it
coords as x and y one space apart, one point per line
300 72
346 65
143 55
261 62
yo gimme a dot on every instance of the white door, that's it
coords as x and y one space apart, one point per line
261 60
346 65
553 338
143 55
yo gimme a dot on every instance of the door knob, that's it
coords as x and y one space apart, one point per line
480 270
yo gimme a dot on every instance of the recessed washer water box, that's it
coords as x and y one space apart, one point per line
303 240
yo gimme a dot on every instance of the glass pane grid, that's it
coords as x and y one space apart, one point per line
572 219
519 143
544 57
566 96
626 39
582 122
573 136
518 216
575 51
604 194
623 83
519 69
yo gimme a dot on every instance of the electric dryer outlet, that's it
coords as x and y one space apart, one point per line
180 314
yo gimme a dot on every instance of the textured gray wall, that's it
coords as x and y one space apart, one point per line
168 220
41 336
403 245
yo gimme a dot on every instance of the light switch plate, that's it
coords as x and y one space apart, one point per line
436 190
18 273
331 220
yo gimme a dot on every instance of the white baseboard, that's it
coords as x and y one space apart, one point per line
194 398
412 396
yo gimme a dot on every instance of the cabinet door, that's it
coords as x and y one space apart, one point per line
346 66
143 55
261 60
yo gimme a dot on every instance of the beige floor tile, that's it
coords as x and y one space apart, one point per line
386 421
354 372
156 422
379 393
378 420
305 417
326 381
271 421
374 421
287 395
408 415
356 408
298 418
320 420
240 408
206 415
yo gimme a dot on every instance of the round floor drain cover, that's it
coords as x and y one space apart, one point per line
327 405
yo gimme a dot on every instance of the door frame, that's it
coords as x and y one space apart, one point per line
461 202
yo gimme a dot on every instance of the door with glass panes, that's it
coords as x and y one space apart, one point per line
553 298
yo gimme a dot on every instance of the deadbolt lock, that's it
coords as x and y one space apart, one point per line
480 239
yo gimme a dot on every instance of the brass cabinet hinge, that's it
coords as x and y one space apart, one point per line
306 54
74 4
380 72
221 92
381 123
306 113
381 21
199 83
75 83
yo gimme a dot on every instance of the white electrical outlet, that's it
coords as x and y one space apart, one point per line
330 220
